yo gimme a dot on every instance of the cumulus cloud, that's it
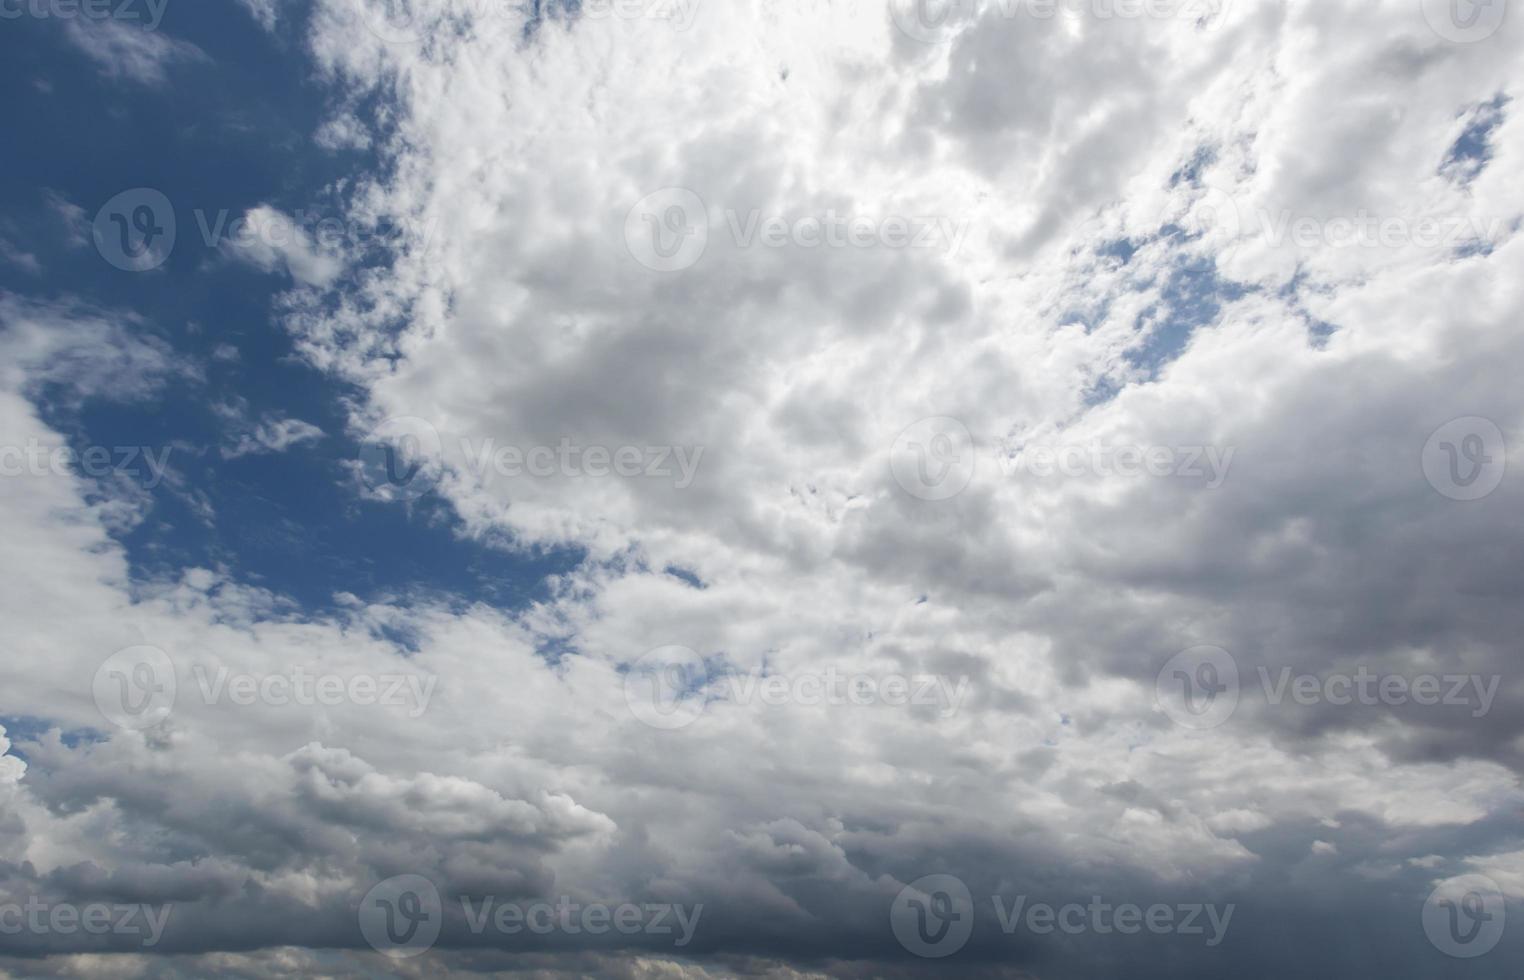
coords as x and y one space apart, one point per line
1167 244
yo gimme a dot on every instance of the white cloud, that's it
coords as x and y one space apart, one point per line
273 240
526 320
124 50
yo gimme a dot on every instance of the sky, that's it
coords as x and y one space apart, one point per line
772 488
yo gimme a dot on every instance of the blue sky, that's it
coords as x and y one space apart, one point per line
224 134
1143 536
